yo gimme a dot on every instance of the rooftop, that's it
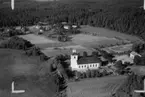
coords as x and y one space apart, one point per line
86 60
135 53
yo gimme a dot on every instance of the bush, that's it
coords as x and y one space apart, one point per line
43 57
34 51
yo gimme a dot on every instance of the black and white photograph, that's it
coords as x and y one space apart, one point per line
72 48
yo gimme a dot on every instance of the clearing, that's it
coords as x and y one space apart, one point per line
15 66
96 87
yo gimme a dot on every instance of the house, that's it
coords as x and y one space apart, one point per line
133 54
67 27
74 26
84 63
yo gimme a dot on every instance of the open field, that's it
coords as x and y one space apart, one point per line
80 42
35 39
97 87
109 33
94 41
15 66
118 49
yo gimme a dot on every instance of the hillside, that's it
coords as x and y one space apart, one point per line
134 82
28 73
100 87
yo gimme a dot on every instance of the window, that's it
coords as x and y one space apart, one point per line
96 65
82 66
90 65
79 66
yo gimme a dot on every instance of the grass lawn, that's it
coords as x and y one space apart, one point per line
15 66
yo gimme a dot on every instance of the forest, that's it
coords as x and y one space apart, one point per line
121 15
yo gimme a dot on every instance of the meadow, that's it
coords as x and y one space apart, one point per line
102 87
81 42
110 34
35 39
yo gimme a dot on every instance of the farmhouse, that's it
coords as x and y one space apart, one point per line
133 54
84 63
67 27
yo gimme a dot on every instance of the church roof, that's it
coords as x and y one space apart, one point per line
74 53
87 60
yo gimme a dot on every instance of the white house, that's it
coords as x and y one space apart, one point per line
83 63
66 27
74 26
133 54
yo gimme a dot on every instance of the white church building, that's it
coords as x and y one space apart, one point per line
83 63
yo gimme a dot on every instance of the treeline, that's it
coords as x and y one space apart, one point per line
18 43
120 15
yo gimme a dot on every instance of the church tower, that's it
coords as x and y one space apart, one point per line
74 59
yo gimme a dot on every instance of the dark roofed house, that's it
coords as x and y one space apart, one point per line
84 63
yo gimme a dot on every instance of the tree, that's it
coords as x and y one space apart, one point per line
85 54
137 60
119 65
62 83
88 73
43 57
93 73
95 54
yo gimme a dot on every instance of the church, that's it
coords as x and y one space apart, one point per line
83 63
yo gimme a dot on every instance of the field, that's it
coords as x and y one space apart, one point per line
94 41
118 49
15 66
35 39
110 34
80 42
97 87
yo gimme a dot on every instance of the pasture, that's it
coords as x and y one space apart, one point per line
96 87
37 39
94 41
110 34
83 42
15 66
